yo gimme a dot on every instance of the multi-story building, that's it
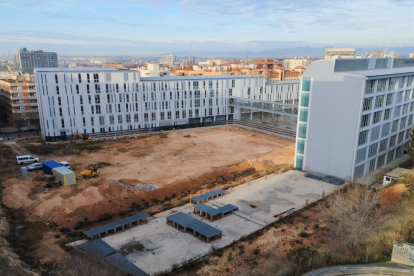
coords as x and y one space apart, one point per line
354 115
17 97
188 61
153 70
94 100
168 60
332 53
28 60
295 62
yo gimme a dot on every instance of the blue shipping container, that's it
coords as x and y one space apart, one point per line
49 165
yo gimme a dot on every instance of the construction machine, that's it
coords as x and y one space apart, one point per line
92 172
85 138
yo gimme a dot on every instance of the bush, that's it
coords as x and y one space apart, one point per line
64 230
304 234
256 251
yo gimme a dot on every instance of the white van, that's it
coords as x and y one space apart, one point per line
26 159
65 164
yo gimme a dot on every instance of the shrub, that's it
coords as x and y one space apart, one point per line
304 234
256 251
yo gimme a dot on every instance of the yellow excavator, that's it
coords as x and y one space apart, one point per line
84 138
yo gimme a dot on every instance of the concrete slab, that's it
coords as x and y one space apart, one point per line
156 246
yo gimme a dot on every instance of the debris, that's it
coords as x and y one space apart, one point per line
147 188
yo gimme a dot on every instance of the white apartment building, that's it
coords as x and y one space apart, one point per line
168 60
93 100
354 115
154 70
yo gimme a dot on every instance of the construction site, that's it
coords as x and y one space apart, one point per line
141 171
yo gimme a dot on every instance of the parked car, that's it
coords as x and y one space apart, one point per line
26 159
65 164
34 167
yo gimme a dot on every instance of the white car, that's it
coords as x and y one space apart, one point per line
34 167
65 164
26 159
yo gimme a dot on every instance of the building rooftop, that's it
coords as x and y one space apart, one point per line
379 72
397 172
183 78
69 70
16 81
282 82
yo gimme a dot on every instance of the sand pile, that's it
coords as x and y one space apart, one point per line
391 195
15 194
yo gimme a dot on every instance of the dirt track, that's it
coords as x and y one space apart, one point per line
174 162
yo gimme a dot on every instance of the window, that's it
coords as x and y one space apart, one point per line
381 160
111 119
389 99
98 88
97 99
385 129
57 90
365 120
391 84
92 122
177 114
87 78
367 104
169 115
363 137
306 83
77 89
230 92
383 145
303 115
393 139
399 96
377 117
390 156
95 77
403 122
120 119
387 113
361 154
300 146
379 101
302 131
375 133
369 86
372 150
371 165
184 115
101 120
359 171
397 111
87 89
98 109
162 115
304 100
394 126
381 85
233 83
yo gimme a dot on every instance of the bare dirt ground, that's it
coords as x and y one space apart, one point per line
178 163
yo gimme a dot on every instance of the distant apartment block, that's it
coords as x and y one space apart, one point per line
332 53
168 61
188 61
28 60
354 115
154 70
295 62
17 97
97 100
271 70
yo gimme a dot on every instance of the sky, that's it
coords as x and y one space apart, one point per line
152 27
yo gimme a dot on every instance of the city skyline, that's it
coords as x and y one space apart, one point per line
139 27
